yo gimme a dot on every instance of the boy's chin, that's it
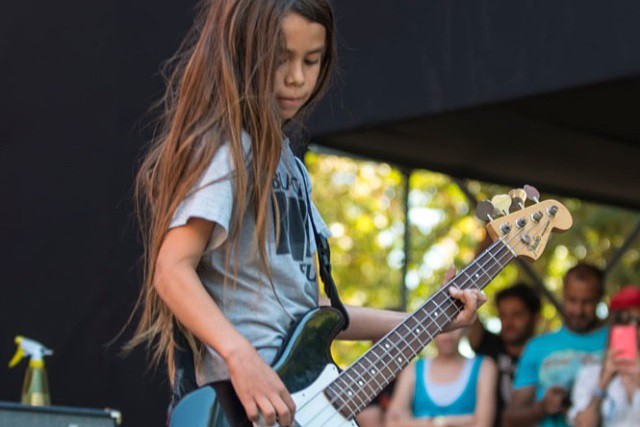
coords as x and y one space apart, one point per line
287 115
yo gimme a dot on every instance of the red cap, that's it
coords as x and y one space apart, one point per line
627 297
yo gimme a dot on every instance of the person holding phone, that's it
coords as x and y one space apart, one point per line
608 394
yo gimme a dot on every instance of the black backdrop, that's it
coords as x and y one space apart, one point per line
77 78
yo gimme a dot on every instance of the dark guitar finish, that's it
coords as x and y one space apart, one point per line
300 361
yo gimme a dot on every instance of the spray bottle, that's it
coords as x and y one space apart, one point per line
35 388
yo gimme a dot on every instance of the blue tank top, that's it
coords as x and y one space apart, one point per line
424 406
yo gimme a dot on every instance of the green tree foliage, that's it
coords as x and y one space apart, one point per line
362 202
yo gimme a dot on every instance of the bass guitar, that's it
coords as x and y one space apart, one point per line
323 395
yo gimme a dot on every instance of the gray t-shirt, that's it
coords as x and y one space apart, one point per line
261 311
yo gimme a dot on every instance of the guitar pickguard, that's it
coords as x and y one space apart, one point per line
313 409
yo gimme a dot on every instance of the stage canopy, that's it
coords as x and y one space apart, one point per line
545 93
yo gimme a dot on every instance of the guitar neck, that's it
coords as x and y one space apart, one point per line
372 372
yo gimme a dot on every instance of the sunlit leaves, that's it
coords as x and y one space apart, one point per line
363 204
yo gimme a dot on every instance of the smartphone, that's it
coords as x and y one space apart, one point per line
624 338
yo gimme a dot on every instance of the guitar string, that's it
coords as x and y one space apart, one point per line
409 334
354 403
448 300
440 306
347 403
429 331
447 304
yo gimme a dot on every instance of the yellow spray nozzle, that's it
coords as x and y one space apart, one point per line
17 357
28 347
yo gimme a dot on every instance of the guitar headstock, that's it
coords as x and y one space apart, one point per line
524 229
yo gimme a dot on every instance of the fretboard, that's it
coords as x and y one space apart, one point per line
373 371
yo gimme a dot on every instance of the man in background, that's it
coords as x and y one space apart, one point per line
519 311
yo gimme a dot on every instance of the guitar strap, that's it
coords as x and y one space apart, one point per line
184 380
324 257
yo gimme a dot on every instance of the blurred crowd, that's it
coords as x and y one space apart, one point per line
585 374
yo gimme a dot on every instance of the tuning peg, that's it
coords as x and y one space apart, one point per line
485 210
518 197
516 203
518 193
502 202
532 193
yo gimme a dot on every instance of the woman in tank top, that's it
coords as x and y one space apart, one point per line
447 390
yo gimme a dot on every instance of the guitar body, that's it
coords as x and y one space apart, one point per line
304 365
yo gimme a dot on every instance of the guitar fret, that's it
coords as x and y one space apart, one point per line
393 352
379 371
343 401
428 333
424 334
430 327
404 341
354 406
360 372
435 316
391 368
428 308
489 277
469 278
394 341
498 265
353 378
417 340
415 327
385 365
350 396
360 383
445 312
459 282
501 263
353 393
486 268
367 375
335 397
373 371
410 344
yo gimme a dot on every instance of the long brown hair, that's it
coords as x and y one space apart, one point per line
221 83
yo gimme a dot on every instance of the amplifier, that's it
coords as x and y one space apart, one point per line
17 415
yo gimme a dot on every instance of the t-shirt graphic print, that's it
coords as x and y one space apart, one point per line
262 310
294 239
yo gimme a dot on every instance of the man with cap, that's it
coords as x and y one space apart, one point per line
608 394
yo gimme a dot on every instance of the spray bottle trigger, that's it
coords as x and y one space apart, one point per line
17 357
